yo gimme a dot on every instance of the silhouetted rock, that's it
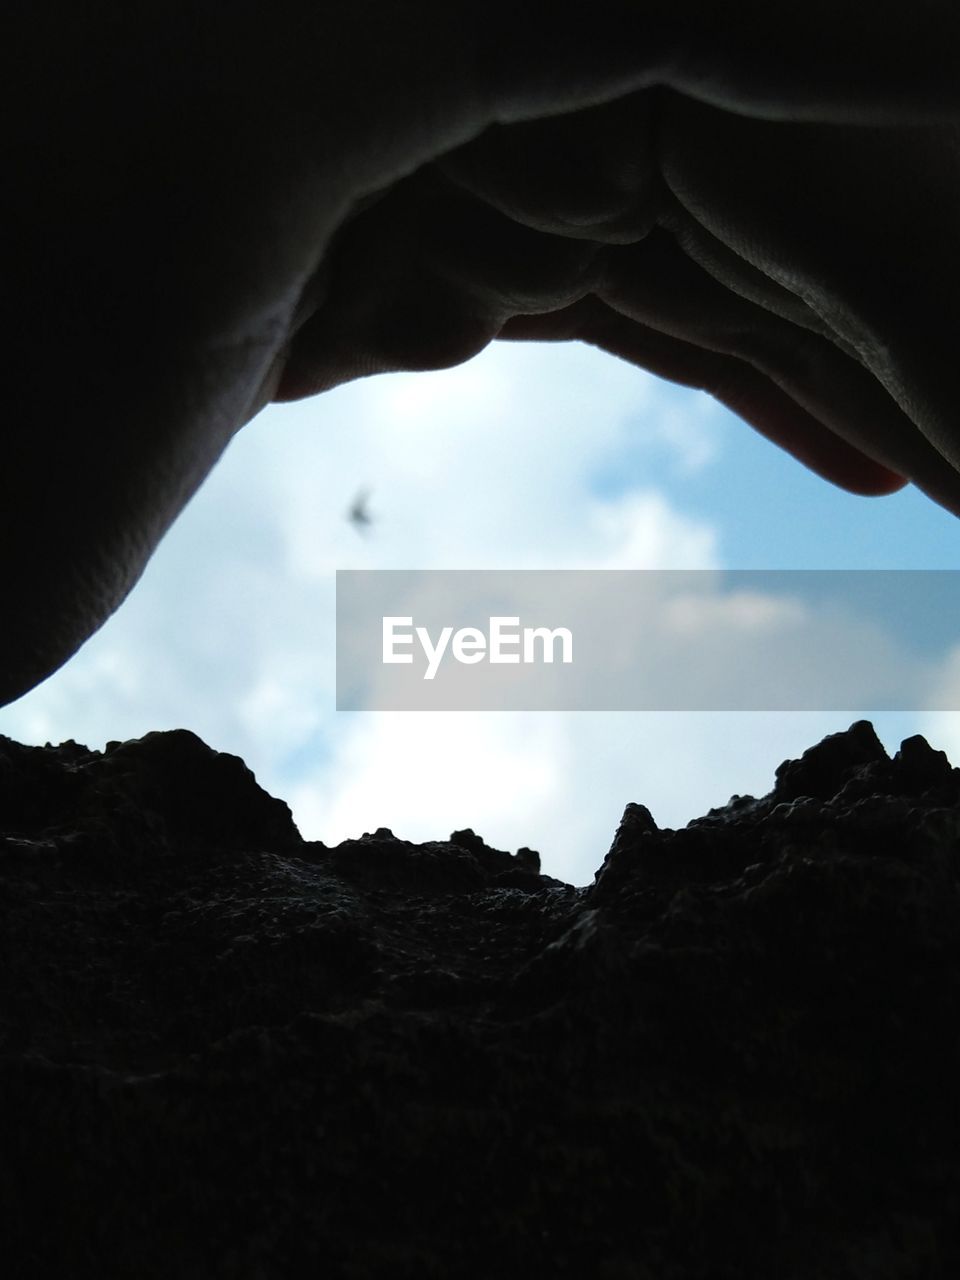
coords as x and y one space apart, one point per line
227 1052
822 770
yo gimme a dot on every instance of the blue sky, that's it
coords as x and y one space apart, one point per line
552 456
773 514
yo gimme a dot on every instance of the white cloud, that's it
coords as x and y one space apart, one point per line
639 529
690 432
425 775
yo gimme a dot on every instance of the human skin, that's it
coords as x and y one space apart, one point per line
213 206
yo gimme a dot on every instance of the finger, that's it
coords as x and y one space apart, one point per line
424 280
861 223
589 174
594 174
727 305
733 382
656 284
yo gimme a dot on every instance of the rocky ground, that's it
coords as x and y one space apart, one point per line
227 1052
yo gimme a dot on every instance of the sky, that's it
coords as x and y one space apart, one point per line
531 456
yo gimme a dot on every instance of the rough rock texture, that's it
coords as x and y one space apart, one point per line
229 1053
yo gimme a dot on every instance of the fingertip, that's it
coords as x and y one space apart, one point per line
781 420
877 482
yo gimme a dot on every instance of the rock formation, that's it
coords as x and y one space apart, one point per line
228 1052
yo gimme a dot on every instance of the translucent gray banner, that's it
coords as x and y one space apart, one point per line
648 640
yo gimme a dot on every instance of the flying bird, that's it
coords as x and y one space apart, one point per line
359 514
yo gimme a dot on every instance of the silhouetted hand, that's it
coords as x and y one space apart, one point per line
214 206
